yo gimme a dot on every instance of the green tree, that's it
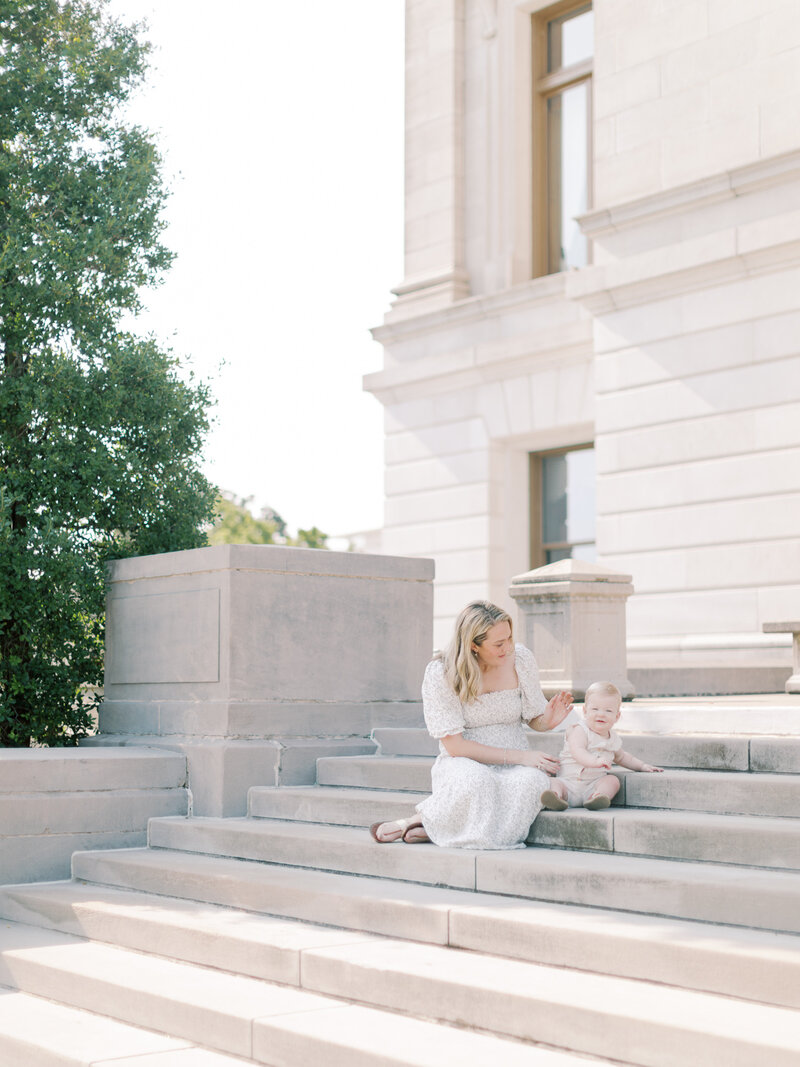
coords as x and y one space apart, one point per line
235 524
99 433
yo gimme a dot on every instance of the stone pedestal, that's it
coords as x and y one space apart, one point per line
572 616
255 659
793 627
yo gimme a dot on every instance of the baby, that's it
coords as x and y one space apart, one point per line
590 749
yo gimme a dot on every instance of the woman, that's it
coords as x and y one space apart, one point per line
486 780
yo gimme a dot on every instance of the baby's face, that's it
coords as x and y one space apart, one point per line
600 712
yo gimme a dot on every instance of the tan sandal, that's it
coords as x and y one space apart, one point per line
404 826
415 840
597 803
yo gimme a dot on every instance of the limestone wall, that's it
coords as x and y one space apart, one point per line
675 351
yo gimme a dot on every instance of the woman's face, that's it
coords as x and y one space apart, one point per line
497 646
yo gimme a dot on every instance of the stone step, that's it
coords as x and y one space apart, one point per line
336 805
393 773
724 792
596 1014
120 810
766 838
164 902
40 1033
743 896
690 751
252 1019
58 770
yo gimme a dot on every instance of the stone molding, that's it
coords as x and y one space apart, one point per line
472 368
536 291
728 255
776 170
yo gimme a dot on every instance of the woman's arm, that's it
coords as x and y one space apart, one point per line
576 740
558 708
458 745
546 714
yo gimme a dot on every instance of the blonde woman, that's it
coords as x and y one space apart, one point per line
477 698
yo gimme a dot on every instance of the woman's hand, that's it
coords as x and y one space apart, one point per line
558 708
540 760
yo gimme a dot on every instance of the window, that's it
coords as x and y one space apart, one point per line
562 506
563 51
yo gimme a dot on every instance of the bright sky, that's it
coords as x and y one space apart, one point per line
281 125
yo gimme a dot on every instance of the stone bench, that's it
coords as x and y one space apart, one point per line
793 628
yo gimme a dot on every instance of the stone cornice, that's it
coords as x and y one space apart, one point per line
750 249
732 183
478 365
473 309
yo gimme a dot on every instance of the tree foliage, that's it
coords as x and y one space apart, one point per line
99 433
235 524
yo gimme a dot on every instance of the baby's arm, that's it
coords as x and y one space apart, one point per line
576 740
625 759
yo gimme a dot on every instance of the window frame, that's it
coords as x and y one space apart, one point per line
538 545
545 85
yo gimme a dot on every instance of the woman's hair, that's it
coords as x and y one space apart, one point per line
460 664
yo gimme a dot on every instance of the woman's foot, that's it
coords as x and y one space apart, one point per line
597 802
415 835
386 833
552 801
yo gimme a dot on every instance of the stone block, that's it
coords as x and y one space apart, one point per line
39 1033
710 838
115 810
53 770
401 773
46 857
574 621
618 92
198 663
326 848
574 829
298 761
778 755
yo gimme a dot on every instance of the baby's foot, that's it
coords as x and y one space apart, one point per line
597 802
552 801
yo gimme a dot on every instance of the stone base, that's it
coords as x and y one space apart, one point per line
221 771
706 681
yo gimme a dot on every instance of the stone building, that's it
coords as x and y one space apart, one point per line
595 350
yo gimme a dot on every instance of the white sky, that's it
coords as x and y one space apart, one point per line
281 125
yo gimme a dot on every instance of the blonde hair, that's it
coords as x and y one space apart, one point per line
460 664
607 689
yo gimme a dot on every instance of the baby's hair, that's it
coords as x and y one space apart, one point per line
607 689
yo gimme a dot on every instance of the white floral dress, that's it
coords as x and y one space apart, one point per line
478 805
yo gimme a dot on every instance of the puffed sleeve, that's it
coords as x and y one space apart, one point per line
441 706
533 699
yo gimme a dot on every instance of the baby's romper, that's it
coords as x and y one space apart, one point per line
478 805
578 779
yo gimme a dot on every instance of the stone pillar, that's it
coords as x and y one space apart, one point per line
572 616
435 273
255 659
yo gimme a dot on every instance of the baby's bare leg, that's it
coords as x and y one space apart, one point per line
605 789
555 798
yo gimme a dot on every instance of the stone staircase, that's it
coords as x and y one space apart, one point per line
663 931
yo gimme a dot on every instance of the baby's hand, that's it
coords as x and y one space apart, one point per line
650 769
605 763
